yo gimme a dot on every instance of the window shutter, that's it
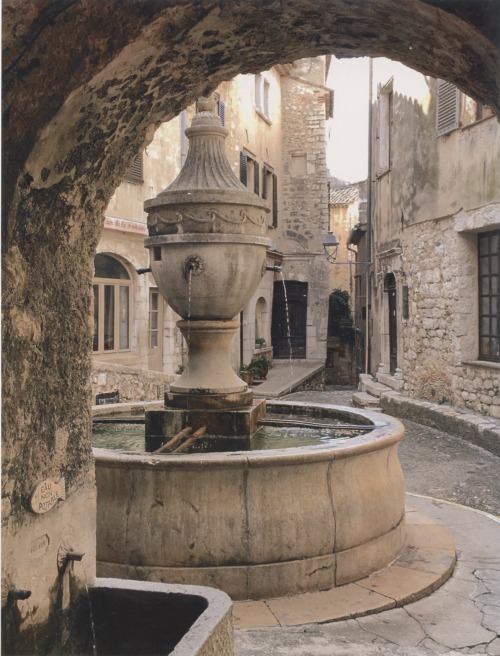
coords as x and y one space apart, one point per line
256 179
221 111
264 181
447 107
275 200
134 173
243 167
329 98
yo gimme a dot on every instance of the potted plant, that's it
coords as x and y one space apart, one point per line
260 342
246 374
260 365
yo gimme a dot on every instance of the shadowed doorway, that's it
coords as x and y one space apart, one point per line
296 298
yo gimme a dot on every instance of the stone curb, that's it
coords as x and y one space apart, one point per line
427 561
479 430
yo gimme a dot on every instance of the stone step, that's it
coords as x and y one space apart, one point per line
389 380
364 380
364 400
376 389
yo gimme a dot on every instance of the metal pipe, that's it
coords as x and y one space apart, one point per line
369 217
70 557
17 595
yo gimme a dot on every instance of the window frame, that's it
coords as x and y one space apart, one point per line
100 313
262 96
154 312
493 313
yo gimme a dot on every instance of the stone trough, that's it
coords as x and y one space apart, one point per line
135 617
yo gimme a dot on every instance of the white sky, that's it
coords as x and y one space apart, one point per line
347 133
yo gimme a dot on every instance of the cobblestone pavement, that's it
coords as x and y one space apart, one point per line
463 616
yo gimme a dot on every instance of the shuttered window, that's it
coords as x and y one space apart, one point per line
135 173
249 172
275 201
243 167
447 108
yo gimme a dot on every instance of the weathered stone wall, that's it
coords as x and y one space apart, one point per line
304 218
340 365
132 383
439 339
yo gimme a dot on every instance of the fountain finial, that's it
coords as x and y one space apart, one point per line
206 104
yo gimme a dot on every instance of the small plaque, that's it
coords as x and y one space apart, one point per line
107 397
46 494
40 545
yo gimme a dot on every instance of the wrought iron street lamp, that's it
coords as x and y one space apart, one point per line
331 246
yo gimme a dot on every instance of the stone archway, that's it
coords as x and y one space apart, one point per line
83 84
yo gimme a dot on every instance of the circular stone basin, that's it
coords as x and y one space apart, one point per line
256 524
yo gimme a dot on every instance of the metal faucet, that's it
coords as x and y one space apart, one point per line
273 267
17 595
69 557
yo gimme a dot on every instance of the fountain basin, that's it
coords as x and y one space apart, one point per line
256 524
136 617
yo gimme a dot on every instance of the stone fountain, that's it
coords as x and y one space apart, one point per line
256 524
208 248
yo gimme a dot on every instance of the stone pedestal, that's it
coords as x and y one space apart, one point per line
226 429
208 380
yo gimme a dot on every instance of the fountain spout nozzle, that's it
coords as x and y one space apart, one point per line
17 595
273 267
69 557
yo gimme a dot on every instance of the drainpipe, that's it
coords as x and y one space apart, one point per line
241 338
369 219
183 138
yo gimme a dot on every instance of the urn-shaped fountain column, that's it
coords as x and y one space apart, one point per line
207 250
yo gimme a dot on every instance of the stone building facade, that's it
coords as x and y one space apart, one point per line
277 146
436 240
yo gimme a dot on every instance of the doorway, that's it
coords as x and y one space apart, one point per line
296 298
390 289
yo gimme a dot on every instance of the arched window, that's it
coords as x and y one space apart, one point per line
111 305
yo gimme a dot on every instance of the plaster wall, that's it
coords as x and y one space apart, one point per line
161 163
342 219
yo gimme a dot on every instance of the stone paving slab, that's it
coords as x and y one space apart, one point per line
460 617
424 564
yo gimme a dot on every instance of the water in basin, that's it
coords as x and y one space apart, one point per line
127 436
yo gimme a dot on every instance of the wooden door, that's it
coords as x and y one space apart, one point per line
289 319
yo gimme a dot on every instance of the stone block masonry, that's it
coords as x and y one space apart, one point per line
132 384
440 337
